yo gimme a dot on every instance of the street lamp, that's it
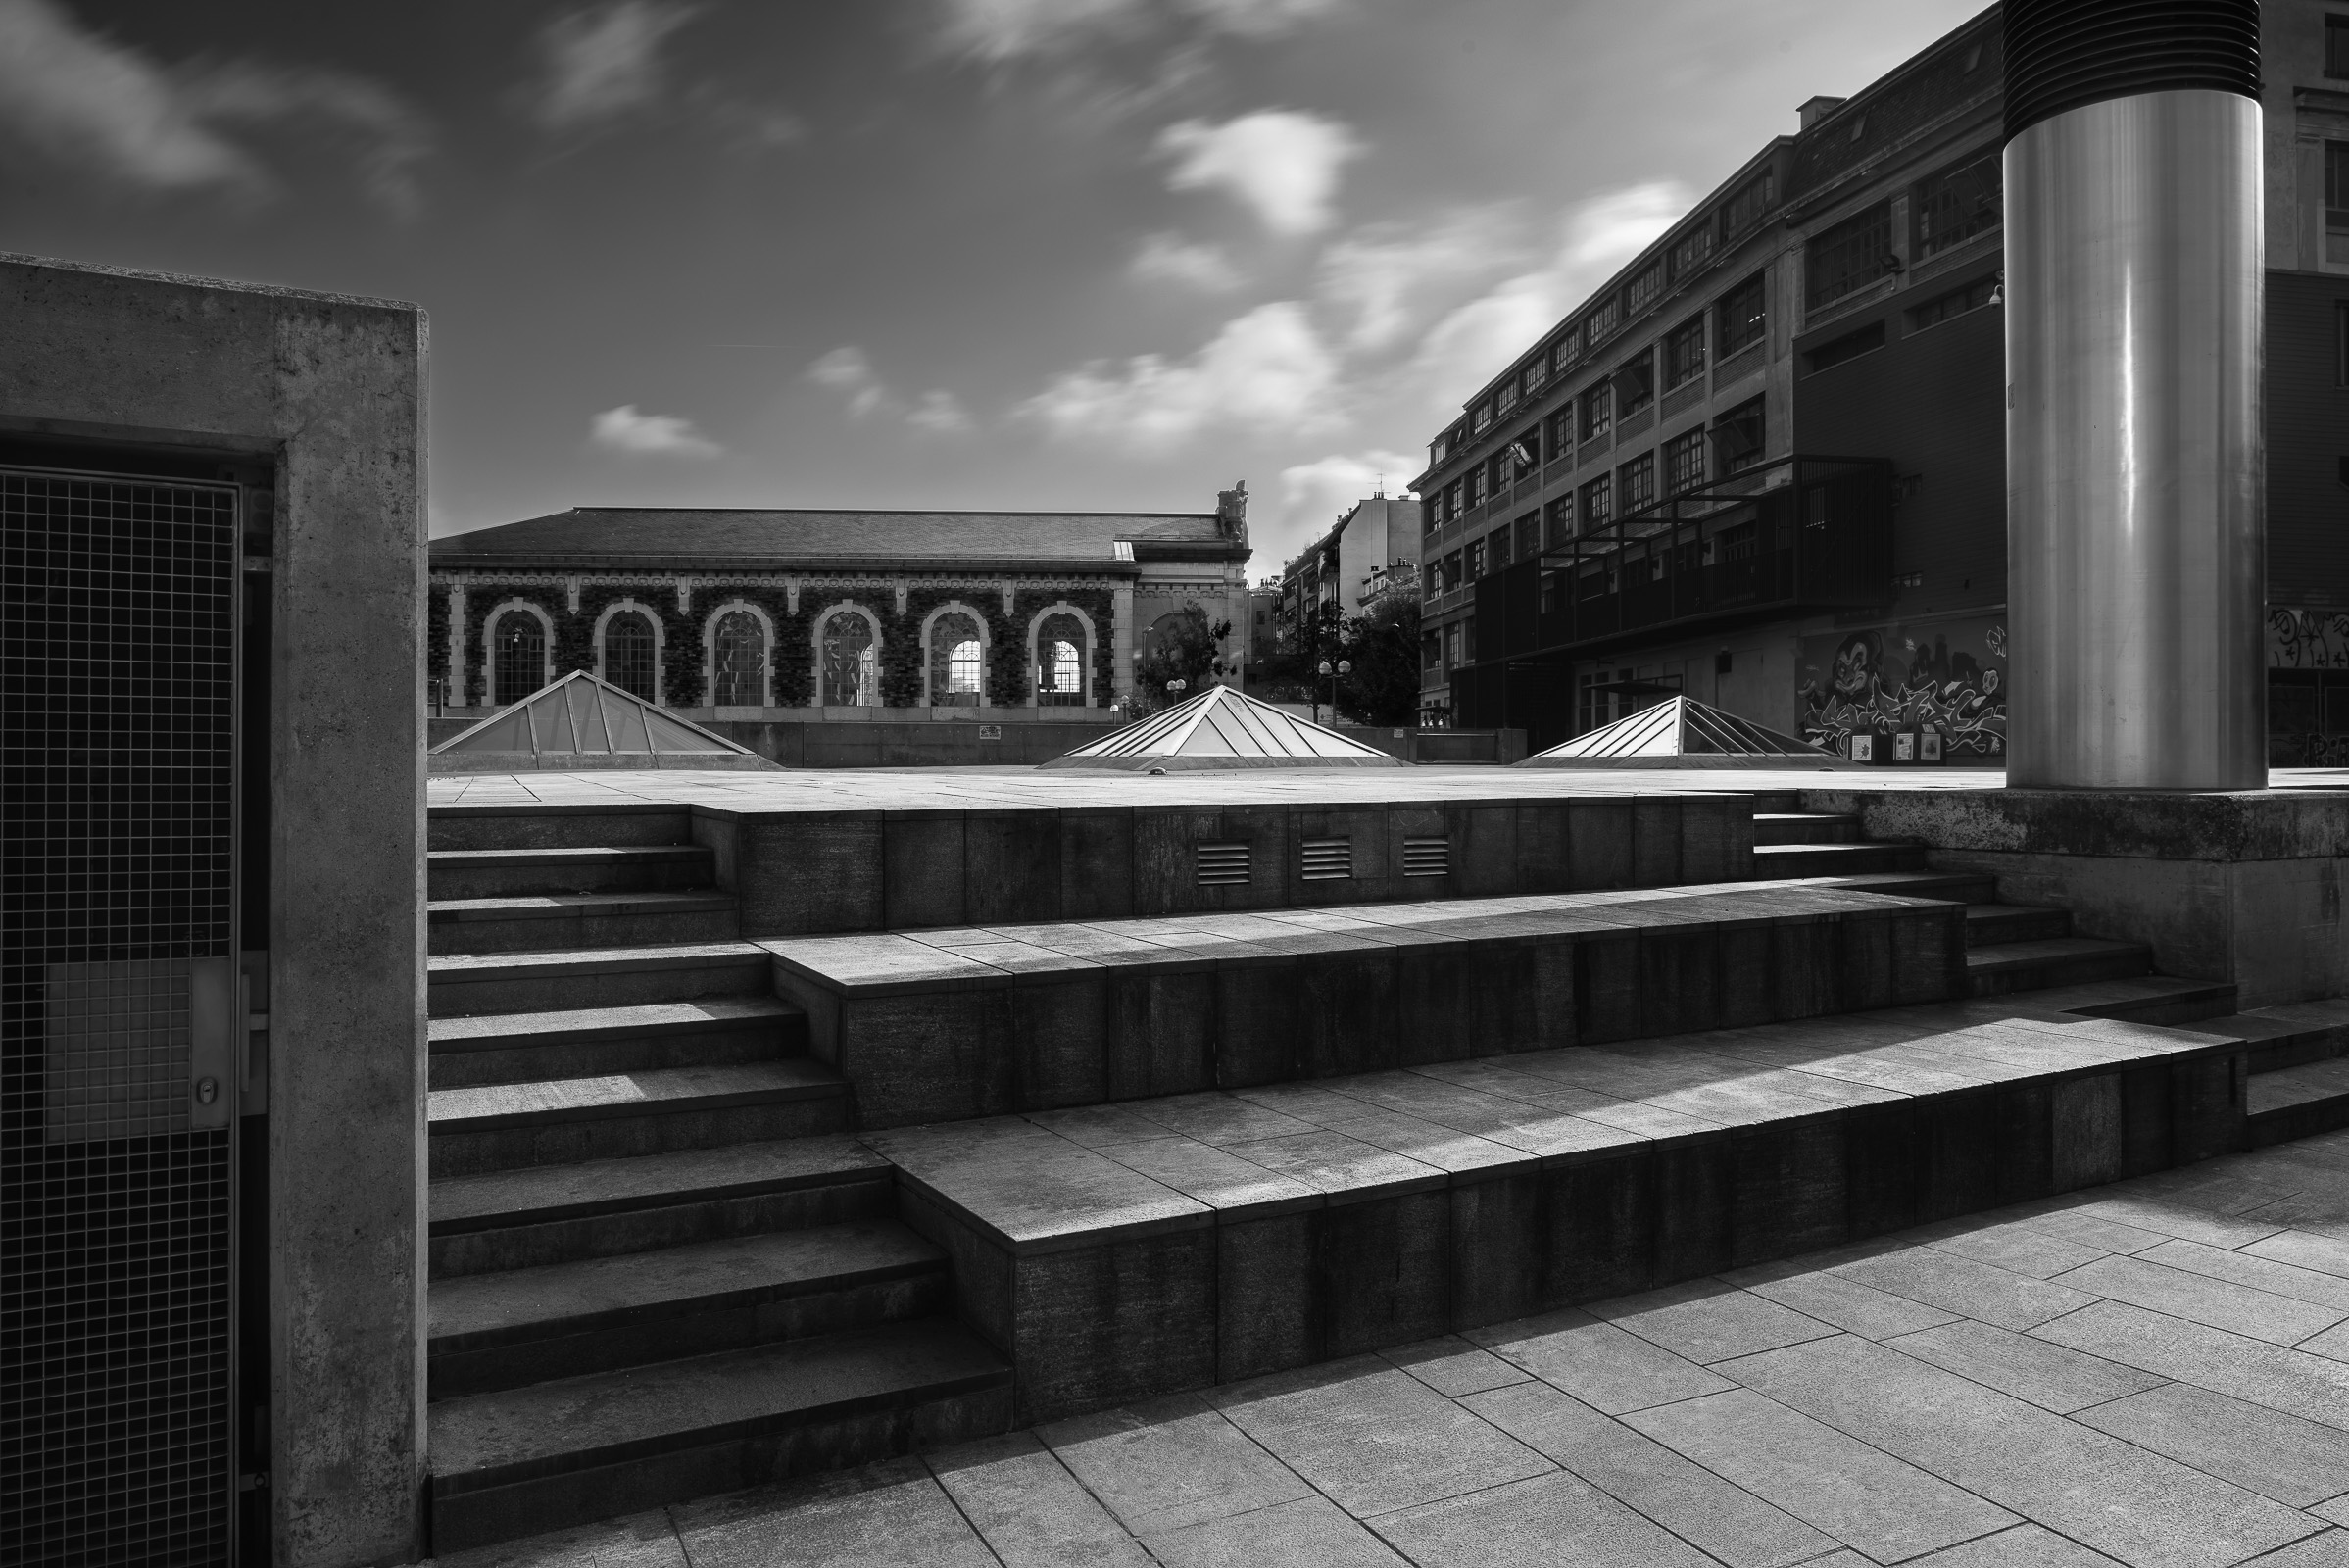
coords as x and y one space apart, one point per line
1177 686
1343 667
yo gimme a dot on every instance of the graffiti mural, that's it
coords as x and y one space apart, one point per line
2307 639
1950 677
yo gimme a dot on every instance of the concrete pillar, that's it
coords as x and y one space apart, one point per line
457 689
2136 489
1121 640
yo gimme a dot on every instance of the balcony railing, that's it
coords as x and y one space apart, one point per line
1799 534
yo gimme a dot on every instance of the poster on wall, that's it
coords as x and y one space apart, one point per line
1947 679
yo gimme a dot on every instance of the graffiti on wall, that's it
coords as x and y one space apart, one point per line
2307 639
1950 677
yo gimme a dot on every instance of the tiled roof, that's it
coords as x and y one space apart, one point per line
649 534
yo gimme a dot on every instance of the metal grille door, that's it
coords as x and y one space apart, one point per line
118 1011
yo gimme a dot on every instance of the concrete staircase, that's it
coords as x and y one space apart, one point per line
660 1266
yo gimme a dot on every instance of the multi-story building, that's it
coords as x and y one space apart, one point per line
1765 464
1372 544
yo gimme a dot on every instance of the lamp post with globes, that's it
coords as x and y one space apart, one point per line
1343 667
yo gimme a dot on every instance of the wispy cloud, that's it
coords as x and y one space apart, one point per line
625 429
1313 495
849 372
1163 260
1004 30
1384 280
87 103
603 63
1282 163
1266 372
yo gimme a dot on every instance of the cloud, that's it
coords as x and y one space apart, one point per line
1385 279
998 30
847 370
1313 495
1472 343
1283 164
1265 373
1172 261
624 429
602 62
105 109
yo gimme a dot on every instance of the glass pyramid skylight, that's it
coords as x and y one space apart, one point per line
1223 727
581 721
1682 732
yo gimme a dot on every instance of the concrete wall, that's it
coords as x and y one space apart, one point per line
330 391
2242 886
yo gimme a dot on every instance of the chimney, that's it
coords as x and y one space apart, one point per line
2137 529
1814 109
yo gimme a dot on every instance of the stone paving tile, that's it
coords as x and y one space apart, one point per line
1171 1462
2200 1298
1706 1320
1733 1525
1861 1495
1310 1533
2328 1551
1605 1367
2021 1250
2024 1546
1849 1305
2052 1376
1454 1367
892 1515
2276 1455
1029 1508
639 1541
2258 1270
2144 1509
1979 1290
1376 1440
1556 1519
2287 1380
2336 1511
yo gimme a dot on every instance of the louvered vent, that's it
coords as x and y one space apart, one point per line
2063 54
1329 859
1427 857
1222 865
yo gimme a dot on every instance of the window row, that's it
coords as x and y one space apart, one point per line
845 649
1946 209
1731 444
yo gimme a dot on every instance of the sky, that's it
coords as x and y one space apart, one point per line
992 254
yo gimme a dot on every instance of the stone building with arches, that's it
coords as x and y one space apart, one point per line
766 615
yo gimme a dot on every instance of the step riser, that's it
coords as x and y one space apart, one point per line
472 995
541 934
2299 1050
648 1230
2174 1011
543 829
1936 885
2058 972
469 1153
1830 860
1806 833
596 1058
2304 1120
2032 925
495 881
821 1441
452 1374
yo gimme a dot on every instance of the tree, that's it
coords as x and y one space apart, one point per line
1186 652
1383 646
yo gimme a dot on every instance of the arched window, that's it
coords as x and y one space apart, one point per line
957 663
740 661
628 654
1060 662
518 658
851 672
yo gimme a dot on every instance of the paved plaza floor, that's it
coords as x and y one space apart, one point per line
2153 1373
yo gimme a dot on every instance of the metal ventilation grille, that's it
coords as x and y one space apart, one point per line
1428 857
117 730
1222 864
1329 859
2064 54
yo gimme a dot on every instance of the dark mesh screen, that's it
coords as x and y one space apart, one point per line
116 636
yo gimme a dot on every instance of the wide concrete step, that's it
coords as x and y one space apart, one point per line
468 985
1772 861
538 1214
588 1042
1804 827
2298 1101
1291 1223
559 1320
521 1461
603 868
557 826
2154 999
497 1126
535 922
1990 923
940 1025
2293 1033
1955 887
2000 968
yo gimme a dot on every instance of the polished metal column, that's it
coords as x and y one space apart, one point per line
2136 551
